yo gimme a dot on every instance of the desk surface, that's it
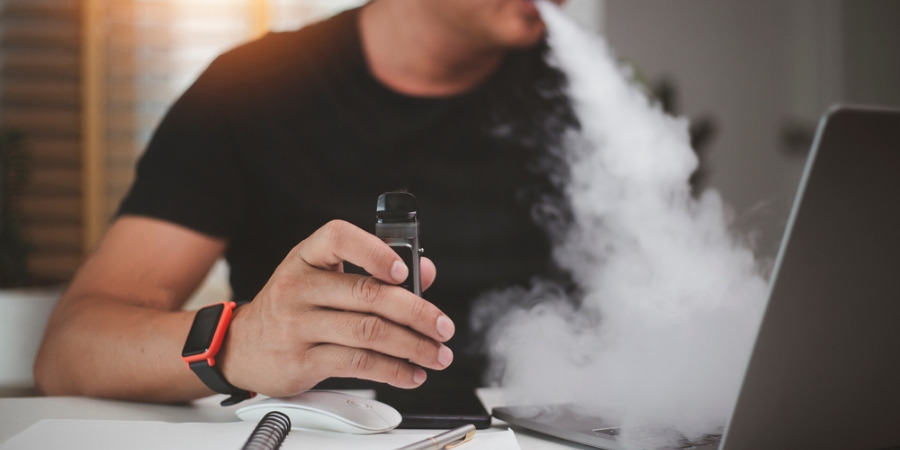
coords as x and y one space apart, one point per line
18 413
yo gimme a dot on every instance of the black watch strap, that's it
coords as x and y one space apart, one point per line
213 378
204 340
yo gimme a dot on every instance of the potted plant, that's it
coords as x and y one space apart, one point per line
15 164
25 301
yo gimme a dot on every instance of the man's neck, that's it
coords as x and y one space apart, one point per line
411 52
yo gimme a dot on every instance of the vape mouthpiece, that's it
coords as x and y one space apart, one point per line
393 207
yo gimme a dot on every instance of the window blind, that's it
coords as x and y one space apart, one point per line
40 97
154 49
87 81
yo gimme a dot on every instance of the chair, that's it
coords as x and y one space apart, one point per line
23 317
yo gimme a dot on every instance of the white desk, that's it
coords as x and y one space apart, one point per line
18 413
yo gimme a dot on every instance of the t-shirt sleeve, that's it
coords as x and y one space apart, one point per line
190 172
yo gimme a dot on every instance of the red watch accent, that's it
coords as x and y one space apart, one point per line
202 346
218 336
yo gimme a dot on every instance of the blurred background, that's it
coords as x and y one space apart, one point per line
84 82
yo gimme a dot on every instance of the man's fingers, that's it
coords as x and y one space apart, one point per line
339 241
366 331
346 362
356 325
341 324
360 293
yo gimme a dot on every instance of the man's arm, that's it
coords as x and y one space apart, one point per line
118 330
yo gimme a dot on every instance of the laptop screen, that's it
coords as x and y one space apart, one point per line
823 372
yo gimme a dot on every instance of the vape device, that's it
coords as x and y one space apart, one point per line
397 225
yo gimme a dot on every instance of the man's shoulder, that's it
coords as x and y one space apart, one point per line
288 53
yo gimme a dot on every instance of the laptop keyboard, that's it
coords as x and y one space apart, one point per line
654 438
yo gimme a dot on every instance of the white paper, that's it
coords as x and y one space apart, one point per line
153 435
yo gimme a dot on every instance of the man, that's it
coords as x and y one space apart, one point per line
290 139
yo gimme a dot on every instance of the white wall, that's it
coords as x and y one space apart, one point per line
757 66
588 13
871 51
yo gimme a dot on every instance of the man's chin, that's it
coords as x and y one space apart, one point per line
530 41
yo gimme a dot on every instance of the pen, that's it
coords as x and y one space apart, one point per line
446 440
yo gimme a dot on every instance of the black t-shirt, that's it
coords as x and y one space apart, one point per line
283 134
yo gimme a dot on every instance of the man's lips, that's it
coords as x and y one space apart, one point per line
531 8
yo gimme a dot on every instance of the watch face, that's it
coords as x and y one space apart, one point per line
202 331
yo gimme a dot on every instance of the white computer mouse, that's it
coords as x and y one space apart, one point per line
328 411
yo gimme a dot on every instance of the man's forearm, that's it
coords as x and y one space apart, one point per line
107 348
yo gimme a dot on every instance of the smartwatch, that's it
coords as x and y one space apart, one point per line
203 344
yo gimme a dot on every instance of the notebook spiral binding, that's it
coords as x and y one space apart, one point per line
269 432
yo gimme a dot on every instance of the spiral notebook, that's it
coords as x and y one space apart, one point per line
154 435
270 432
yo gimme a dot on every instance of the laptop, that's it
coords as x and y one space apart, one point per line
824 372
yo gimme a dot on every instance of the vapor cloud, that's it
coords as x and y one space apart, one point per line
669 297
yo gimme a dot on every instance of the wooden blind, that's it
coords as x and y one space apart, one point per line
153 49
87 81
40 96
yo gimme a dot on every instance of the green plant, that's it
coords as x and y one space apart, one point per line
15 171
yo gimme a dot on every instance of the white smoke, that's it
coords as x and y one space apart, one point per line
670 297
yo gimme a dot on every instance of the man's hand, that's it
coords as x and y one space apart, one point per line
312 321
